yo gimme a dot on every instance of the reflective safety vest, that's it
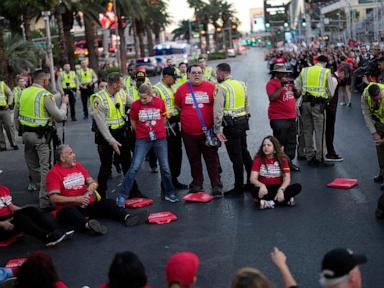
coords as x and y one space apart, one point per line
128 81
168 97
70 79
85 76
180 81
16 94
32 112
208 73
314 81
378 114
123 96
113 117
132 92
235 98
3 98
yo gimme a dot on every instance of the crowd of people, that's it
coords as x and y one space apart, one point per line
339 269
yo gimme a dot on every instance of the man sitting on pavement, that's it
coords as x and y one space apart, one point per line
73 190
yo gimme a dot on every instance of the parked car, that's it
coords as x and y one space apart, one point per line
231 52
150 64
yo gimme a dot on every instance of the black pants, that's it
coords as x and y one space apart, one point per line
75 216
72 101
285 130
30 220
175 152
106 152
85 94
238 153
291 191
330 124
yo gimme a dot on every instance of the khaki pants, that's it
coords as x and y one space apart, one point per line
380 148
6 123
37 157
313 121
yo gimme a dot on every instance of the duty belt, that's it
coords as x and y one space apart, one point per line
315 100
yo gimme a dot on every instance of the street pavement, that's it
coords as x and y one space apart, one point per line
228 234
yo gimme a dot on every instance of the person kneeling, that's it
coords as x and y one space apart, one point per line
271 176
73 191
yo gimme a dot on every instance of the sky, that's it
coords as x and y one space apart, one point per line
179 10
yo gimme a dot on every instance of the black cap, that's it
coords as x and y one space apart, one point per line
322 59
140 75
169 71
339 262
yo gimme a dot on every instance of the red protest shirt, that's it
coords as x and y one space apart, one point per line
270 172
284 107
149 116
5 202
189 119
68 182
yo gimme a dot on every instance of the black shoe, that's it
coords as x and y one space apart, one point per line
382 187
96 227
313 162
294 168
136 219
55 237
74 119
217 192
378 179
319 164
3 149
179 186
379 214
154 170
248 187
85 117
325 165
235 192
15 147
195 188
118 169
136 194
301 158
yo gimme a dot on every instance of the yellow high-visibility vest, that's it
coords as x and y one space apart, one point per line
32 112
114 116
3 98
235 98
168 97
85 76
128 81
16 94
132 92
208 73
68 79
379 112
314 81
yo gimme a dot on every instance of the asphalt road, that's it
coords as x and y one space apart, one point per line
228 234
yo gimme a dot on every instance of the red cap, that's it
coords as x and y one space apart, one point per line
182 268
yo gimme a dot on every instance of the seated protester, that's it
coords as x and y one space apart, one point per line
38 271
29 220
181 270
73 191
271 176
126 270
148 116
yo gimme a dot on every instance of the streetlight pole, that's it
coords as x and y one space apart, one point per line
117 35
46 15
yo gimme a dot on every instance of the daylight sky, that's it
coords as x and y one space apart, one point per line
179 10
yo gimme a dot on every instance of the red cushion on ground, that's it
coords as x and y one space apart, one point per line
14 264
163 217
201 197
138 202
343 183
11 240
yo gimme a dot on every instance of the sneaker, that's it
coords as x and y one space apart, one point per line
342 103
171 197
96 227
136 219
69 234
136 194
55 237
319 164
120 201
291 202
32 187
379 214
154 170
179 186
195 188
349 104
265 204
217 192
333 158
293 167
15 147
378 179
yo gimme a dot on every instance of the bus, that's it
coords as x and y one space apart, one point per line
178 52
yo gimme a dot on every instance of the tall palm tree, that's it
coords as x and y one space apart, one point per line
182 30
227 15
214 17
197 5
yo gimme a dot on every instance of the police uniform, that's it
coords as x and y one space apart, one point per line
6 101
109 125
35 115
208 74
17 90
317 88
68 84
175 153
231 115
87 78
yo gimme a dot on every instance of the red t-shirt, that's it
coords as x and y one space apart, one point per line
60 284
68 182
149 116
5 202
270 172
189 118
284 107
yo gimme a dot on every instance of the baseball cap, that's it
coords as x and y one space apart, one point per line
182 268
140 75
339 262
169 71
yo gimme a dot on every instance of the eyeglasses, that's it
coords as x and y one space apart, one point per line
196 73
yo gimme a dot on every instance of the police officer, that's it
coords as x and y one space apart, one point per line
231 113
87 78
108 112
69 85
129 80
18 89
6 101
208 73
182 76
317 88
163 90
35 115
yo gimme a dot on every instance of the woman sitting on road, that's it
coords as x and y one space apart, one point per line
271 176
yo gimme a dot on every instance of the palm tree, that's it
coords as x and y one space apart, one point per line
227 15
182 30
214 12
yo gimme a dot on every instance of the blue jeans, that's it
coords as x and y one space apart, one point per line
142 147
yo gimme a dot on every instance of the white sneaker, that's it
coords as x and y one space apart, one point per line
264 204
342 104
291 202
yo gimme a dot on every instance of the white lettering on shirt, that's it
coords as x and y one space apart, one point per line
148 115
201 98
74 181
5 201
270 170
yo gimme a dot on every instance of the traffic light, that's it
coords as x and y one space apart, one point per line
286 24
267 26
303 22
218 29
203 26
